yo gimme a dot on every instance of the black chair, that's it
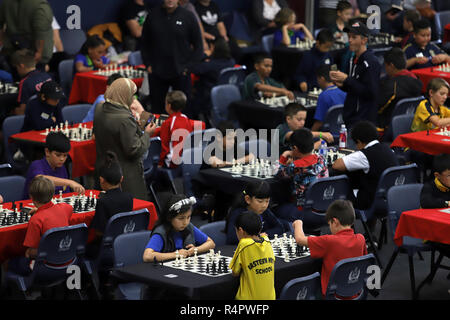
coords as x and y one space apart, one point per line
214 230
12 125
11 188
192 162
304 288
333 120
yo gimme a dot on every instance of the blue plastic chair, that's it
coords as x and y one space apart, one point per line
5 170
75 113
152 159
12 125
192 162
135 58
58 249
399 199
261 146
233 75
441 19
267 42
65 71
11 188
221 97
349 278
406 106
128 249
304 288
72 40
401 124
214 230
333 120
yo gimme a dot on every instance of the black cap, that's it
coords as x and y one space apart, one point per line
358 28
52 90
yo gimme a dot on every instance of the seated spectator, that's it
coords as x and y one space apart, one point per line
262 15
92 55
288 31
133 17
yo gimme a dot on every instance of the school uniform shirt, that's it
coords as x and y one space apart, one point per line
46 217
413 50
87 62
252 79
331 96
434 195
424 111
361 86
170 148
407 39
306 70
333 248
38 115
43 167
293 35
31 84
255 262
156 242
210 16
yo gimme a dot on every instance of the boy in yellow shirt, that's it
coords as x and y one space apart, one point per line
253 260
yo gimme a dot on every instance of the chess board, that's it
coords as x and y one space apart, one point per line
207 264
14 217
286 248
80 203
124 71
442 68
333 154
309 44
80 133
443 132
275 102
259 168
8 88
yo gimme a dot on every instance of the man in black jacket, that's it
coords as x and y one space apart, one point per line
362 83
171 43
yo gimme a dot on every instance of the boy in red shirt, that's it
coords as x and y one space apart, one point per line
46 216
171 151
343 243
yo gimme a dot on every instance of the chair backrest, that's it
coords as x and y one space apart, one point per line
154 151
333 119
135 58
128 248
304 288
233 75
72 40
267 42
402 198
5 170
11 125
65 71
260 148
401 124
441 19
75 113
316 32
407 106
221 97
192 162
214 230
11 188
348 278
322 192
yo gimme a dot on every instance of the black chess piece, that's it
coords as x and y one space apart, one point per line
207 268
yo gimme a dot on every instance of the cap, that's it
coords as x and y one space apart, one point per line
52 90
358 28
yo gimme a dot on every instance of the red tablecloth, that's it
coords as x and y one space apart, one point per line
427 224
82 153
426 74
446 33
87 86
12 237
432 143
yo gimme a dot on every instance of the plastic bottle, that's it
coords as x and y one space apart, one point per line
343 137
323 150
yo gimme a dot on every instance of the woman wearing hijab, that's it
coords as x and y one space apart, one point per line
116 130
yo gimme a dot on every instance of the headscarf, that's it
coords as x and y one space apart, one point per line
121 92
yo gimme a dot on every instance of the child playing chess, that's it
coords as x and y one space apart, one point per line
288 31
46 217
57 147
253 260
344 12
343 243
431 113
436 193
260 81
109 203
92 55
174 233
255 198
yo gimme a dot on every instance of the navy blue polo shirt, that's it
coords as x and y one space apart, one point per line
31 84
311 60
413 50
38 115
331 96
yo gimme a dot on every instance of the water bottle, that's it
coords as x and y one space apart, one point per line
343 137
323 150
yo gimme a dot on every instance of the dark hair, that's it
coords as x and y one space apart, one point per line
303 140
364 131
41 189
250 222
225 125
57 141
421 24
343 211
25 57
113 78
221 49
111 170
261 56
324 36
177 100
167 215
412 16
292 109
343 5
324 72
397 57
93 41
257 189
441 162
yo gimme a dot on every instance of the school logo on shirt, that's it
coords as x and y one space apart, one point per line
129 227
301 295
400 180
65 243
328 193
353 276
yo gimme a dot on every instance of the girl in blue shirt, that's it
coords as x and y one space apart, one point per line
288 31
92 55
175 232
